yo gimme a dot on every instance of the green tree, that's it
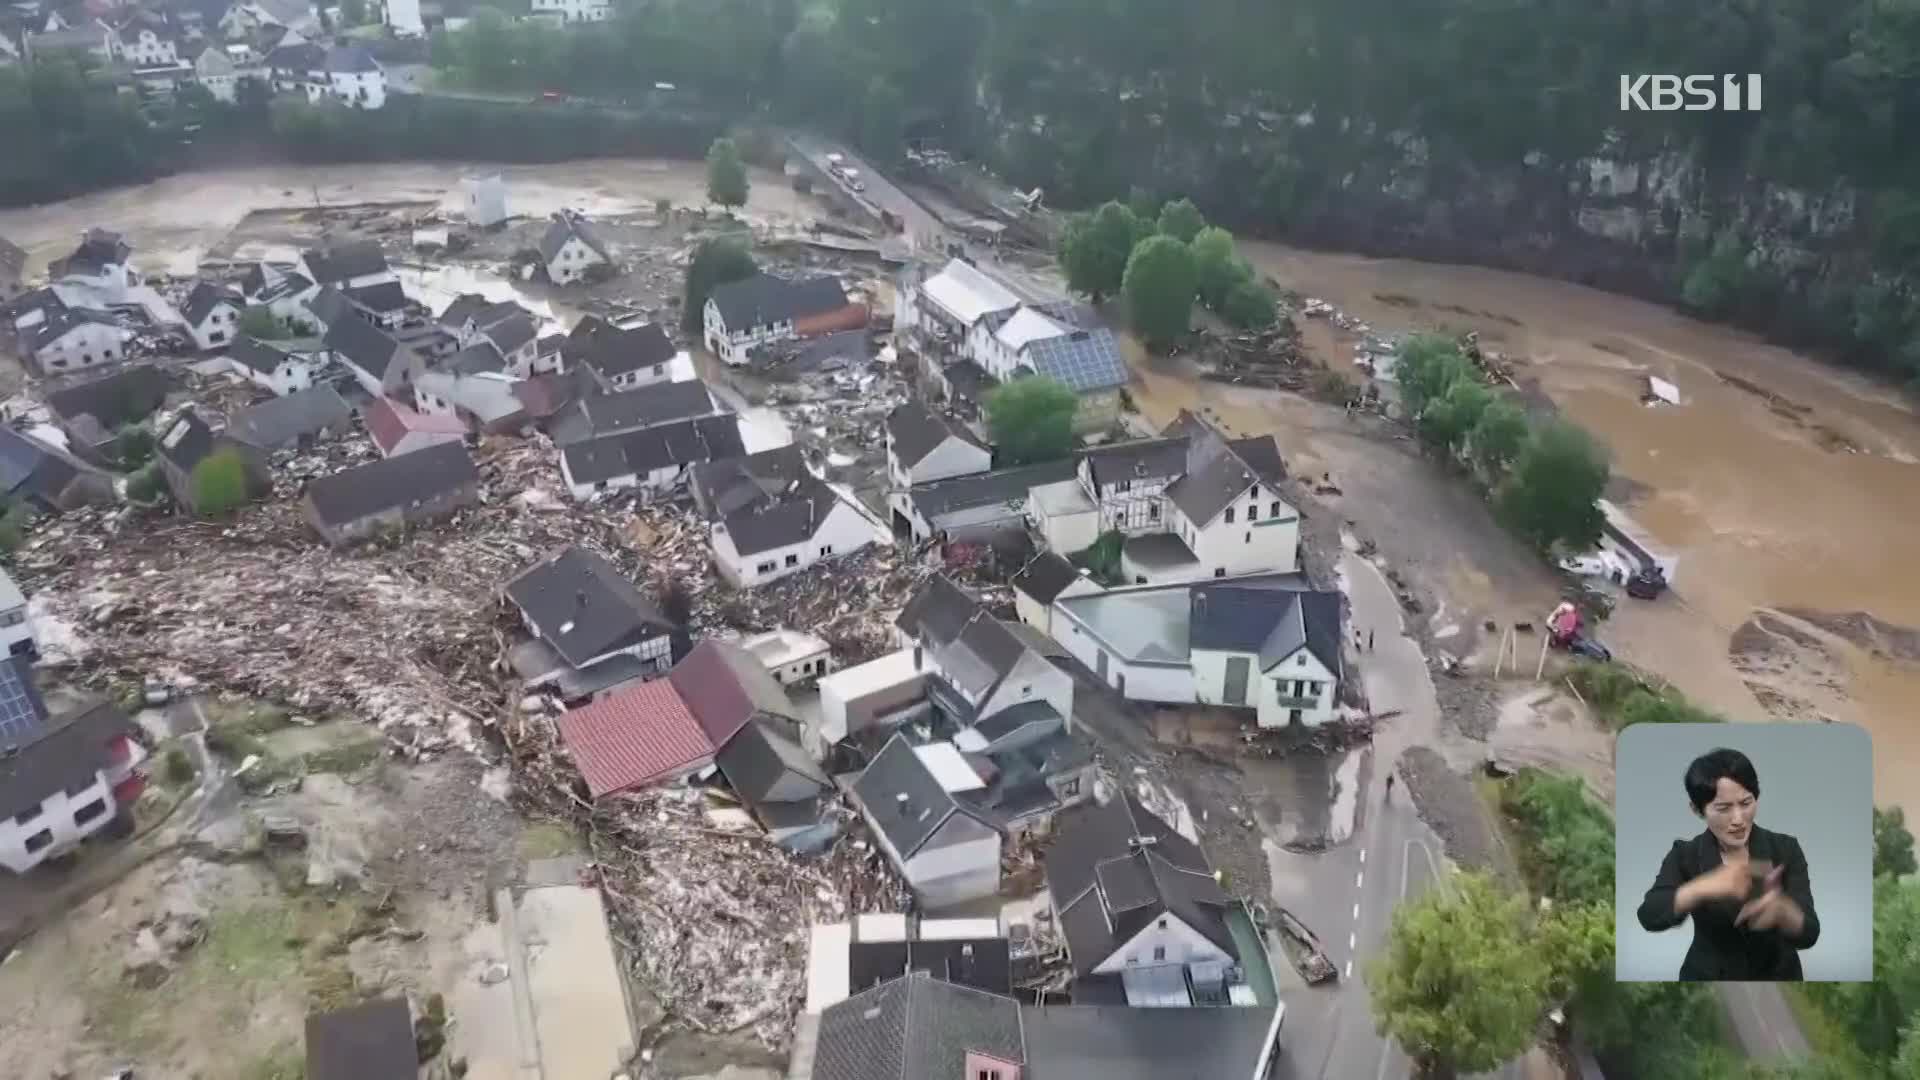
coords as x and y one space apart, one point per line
1249 306
1716 283
259 323
219 483
1435 991
1427 367
1497 438
1159 286
1094 249
1549 496
135 444
1877 1014
882 121
1181 220
726 174
1892 844
1446 422
1031 420
1217 270
715 262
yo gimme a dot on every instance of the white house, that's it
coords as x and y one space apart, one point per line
623 358
1269 643
742 315
213 315
271 367
289 298
347 266
74 339
946 850
570 248
574 10
976 655
148 43
1047 577
654 460
16 628
216 71
792 657
946 307
486 199
103 262
355 77
64 778
922 447
403 17
787 533
597 629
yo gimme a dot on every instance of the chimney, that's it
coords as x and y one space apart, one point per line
917 651
904 803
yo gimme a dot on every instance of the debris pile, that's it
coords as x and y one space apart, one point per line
1272 358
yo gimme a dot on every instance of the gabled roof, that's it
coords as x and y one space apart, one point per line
782 520
612 351
330 306
1045 576
763 299
724 685
489 398
204 298
584 607
186 441
350 59
50 757
303 57
907 801
979 963
974 650
968 294
365 490
729 485
764 763
511 332
1141 459
632 453
937 611
1118 1042
99 249
381 298
362 344
1080 360
121 398
917 1027
31 468
648 406
283 420
1003 487
389 422
257 355
1271 623
565 226
370 1041
917 432
479 358
1215 478
59 323
1114 869
340 262
464 307
634 737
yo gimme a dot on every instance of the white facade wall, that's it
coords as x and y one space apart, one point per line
1269 543
656 481
56 817
731 344
1133 505
292 374
224 88
1068 532
1171 684
360 89
570 263
1284 683
404 17
953 457
16 632
1167 940
520 361
88 345
217 329
843 531
1034 677
658 373
293 307
486 195
957 873
148 49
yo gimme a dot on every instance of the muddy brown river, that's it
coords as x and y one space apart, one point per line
1785 486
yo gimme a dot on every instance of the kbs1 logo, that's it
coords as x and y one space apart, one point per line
1693 93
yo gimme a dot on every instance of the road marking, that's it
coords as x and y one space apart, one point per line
1363 856
1349 973
1353 940
1359 879
1356 910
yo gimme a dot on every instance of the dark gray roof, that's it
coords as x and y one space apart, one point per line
257 355
915 1028
729 485
1218 478
99 248
584 607
477 359
565 225
649 406
980 963
1272 623
1142 459
1004 486
350 59
917 432
330 306
763 299
1158 551
121 398
1045 576
1262 454
284 420
51 757
1138 881
781 520
937 611
686 442
363 345
382 298
464 307
512 332
62 320
341 262
31 469
302 59
1115 1042
364 490
909 821
764 763
612 351
204 298
816 354
186 441
370 1041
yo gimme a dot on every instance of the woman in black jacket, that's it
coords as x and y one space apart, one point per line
1745 887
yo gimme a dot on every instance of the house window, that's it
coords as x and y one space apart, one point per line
1253 492
27 815
1253 511
90 811
1274 511
1301 660
1248 539
1122 485
793 560
1159 953
1071 788
1219 571
826 550
1229 515
765 568
39 841
659 369
1153 512
86 358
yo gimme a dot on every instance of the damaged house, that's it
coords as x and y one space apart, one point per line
785 790
486 402
593 631
785 531
1145 919
91 414
396 429
605 414
62 779
763 309
13 269
654 460
298 419
571 248
509 329
622 358
347 266
74 339
947 850
45 479
356 503
186 441
987 666
272 367
381 364
103 262
16 623
923 447
212 313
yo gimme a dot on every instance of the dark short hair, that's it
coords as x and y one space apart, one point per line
1707 770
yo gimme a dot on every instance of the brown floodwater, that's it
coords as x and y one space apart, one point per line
1797 485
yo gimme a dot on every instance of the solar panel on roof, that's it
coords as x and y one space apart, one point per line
1081 362
19 717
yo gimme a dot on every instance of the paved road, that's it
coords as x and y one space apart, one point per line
922 230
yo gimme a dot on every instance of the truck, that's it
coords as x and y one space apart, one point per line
852 177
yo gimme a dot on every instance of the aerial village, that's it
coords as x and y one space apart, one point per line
592 695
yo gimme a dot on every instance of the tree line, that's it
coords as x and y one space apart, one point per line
1162 262
67 130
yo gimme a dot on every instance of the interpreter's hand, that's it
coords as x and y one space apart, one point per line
1729 881
1773 909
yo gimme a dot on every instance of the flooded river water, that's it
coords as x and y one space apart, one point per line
1787 487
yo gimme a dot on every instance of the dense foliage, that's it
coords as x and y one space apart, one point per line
1031 420
726 175
715 262
67 130
1623 699
219 483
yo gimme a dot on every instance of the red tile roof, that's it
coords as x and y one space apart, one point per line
388 422
635 737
